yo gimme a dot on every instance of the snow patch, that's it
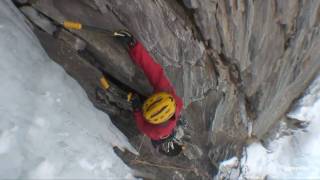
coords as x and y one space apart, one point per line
228 169
5 142
86 165
231 163
49 129
290 157
44 169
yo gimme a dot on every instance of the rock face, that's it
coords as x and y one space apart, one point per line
237 64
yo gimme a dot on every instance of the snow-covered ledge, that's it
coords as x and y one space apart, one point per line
289 157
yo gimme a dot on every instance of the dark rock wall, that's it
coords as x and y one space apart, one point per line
237 64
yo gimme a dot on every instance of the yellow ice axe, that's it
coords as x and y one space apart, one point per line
129 96
79 26
104 83
72 25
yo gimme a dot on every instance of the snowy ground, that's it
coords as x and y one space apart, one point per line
295 156
48 127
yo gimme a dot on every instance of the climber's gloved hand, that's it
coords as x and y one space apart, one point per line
125 36
136 102
171 148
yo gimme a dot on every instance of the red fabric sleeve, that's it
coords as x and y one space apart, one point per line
157 78
152 70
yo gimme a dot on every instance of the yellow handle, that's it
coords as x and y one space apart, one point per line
104 83
72 25
129 96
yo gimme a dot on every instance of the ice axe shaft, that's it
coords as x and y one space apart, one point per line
79 26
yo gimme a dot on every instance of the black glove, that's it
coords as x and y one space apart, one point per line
171 148
125 36
136 102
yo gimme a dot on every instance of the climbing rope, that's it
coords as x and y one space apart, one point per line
194 170
136 161
140 147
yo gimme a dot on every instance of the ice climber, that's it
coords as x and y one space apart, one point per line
158 115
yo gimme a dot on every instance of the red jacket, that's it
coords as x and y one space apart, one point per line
160 83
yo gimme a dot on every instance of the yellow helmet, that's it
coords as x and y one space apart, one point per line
159 108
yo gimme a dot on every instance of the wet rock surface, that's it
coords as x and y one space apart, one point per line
238 65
